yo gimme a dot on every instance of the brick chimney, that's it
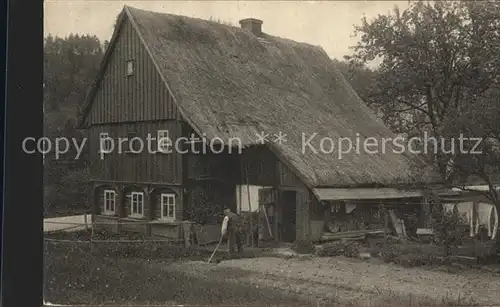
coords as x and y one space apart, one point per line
253 25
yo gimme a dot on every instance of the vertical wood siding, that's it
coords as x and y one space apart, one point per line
260 163
303 218
129 167
287 178
304 201
140 97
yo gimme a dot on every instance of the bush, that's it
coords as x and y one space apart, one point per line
448 230
389 253
410 255
415 260
69 195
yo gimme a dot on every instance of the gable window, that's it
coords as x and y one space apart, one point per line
130 68
164 142
137 204
109 202
105 142
168 206
134 144
131 131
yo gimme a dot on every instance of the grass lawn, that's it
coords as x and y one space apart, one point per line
74 276
146 273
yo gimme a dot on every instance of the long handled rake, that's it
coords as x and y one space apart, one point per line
215 250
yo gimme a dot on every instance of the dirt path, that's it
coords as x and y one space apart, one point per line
351 281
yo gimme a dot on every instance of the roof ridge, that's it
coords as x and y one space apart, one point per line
265 36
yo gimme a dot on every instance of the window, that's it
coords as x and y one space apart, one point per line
335 208
131 131
164 141
133 144
130 68
109 201
105 142
137 204
168 207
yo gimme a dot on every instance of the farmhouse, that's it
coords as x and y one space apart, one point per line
171 77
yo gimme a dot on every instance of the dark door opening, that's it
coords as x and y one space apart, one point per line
288 204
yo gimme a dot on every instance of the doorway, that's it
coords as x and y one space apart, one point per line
288 203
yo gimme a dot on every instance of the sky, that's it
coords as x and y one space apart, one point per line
329 24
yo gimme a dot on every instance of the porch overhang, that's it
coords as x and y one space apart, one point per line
336 194
333 194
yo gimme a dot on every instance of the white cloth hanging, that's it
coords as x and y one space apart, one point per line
480 214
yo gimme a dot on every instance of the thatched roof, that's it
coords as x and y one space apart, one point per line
229 83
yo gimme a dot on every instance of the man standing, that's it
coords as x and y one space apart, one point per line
232 226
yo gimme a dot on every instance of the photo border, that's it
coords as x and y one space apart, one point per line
22 242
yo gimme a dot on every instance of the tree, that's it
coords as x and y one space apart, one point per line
439 74
481 118
447 229
70 65
436 58
360 77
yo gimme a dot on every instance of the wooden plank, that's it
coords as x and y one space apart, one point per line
425 231
356 232
350 234
358 194
398 224
267 220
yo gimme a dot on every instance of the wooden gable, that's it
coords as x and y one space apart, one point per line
129 89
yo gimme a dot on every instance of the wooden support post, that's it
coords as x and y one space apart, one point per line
122 210
278 216
242 180
92 248
244 177
275 217
150 203
386 222
259 227
186 228
85 221
277 209
424 212
326 215
240 192
267 221
95 212
249 208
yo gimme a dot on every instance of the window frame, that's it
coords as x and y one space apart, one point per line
130 68
107 193
169 142
132 132
163 215
101 136
335 208
139 205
